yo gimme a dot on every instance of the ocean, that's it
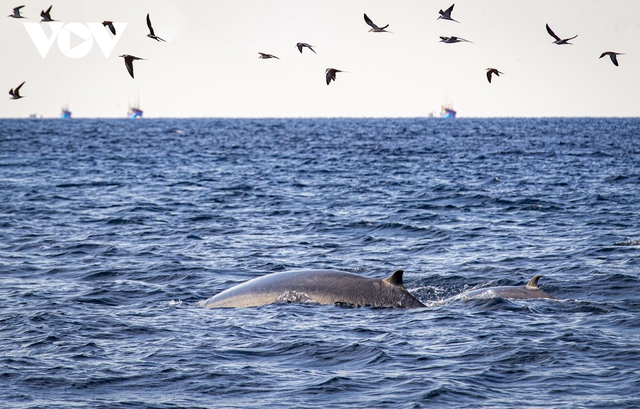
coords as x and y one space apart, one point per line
111 230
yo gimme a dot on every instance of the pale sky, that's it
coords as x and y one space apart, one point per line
209 66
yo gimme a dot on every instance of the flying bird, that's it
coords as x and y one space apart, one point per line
15 93
128 62
266 56
374 27
330 74
152 34
109 24
452 40
491 71
559 40
446 15
46 15
612 55
16 12
302 45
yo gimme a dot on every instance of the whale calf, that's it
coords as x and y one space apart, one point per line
317 286
521 292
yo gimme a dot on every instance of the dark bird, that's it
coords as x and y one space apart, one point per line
452 40
152 34
16 12
491 71
374 27
330 74
266 56
109 24
559 40
302 45
612 55
446 15
15 93
128 62
46 15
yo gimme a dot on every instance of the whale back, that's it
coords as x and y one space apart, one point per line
522 292
317 286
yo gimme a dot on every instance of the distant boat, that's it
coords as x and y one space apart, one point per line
65 114
134 112
134 109
447 111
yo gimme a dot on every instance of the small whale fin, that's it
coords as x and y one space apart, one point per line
533 284
395 278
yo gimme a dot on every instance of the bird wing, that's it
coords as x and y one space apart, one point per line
489 72
310 47
19 86
331 74
17 9
299 45
369 22
111 27
46 14
552 34
149 25
614 59
128 62
328 76
567 39
450 9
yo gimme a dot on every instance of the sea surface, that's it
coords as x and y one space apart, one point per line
111 231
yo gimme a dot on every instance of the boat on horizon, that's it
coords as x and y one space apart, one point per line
134 109
134 112
65 114
447 111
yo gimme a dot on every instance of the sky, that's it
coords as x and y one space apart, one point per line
209 66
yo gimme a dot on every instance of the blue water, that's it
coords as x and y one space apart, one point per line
111 230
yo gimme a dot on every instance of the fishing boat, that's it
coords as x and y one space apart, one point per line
134 112
447 111
65 114
134 109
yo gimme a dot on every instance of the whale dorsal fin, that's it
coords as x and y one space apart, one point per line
395 278
533 284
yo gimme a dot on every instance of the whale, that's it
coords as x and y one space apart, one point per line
317 286
522 292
